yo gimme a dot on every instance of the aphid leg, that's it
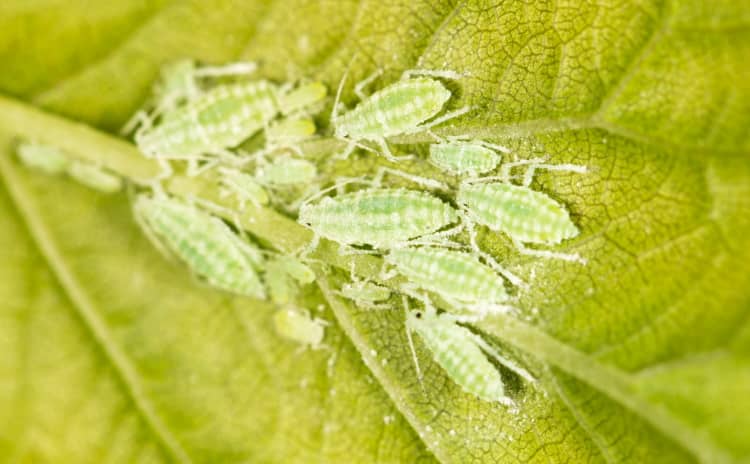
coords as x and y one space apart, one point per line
493 146
440 235
424 181
572 257
165 167
305 252
405 302
528 176
359 88
512 278
489 349
135 121
387 154
437 121
445 74
232 69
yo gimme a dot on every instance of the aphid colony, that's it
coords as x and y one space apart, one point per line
200 116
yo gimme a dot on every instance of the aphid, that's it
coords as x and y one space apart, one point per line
525 215
366 294
287 134
283 275
179 83
95 177
298 326
466 158
46 158
205 243
244 186
286 171
404 107
461 354
221 118
456 276
382 218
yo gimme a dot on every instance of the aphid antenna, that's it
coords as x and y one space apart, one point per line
449 115
337 100
405 301
571 257
424 181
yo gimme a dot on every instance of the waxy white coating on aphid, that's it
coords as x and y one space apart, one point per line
221 118
205 243
287 171
94 177
523 214
378 217
46 158
454 275
244 186
464 158
456 350
298 326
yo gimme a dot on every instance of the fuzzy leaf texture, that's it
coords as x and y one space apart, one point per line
110 353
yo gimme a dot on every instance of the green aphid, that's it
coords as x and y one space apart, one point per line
298 326
286 171
283 276
244 186
462 354
405 107
457 277
46 158
207 126
380 217
205 243
466 158
95 177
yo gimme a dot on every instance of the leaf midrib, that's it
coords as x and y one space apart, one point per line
86 310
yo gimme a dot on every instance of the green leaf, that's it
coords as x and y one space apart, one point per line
110 352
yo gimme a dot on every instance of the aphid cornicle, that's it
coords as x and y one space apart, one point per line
404 107
461 354
466 158
221 118
205 243
379 217
298 326
456 276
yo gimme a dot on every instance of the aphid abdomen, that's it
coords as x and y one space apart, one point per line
452 274
378 217
453 348
463 158
203 242
397 109
522 213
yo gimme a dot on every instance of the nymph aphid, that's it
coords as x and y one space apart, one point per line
298 326
462 354
286 171
523 214
382 218
283 276
364 293
405 107
466 158
205 243
95 177
244 186
207 126
457 277
46 158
